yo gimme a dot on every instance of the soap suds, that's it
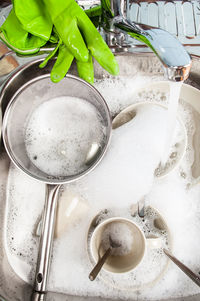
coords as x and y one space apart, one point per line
117 184
59 135
121 235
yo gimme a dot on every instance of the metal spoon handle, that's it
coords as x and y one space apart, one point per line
194 277
99 265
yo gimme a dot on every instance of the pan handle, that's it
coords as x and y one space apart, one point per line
46 238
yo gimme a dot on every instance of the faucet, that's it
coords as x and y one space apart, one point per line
173 56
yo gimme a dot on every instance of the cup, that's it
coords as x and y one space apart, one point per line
128 257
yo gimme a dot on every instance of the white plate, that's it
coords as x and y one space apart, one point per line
131 111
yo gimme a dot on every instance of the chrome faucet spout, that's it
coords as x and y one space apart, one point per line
173 56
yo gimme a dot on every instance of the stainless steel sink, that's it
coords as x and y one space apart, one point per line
11 286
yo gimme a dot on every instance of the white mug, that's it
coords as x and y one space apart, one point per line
129 261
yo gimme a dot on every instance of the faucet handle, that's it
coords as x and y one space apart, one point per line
173 56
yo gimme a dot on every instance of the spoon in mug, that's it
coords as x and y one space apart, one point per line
102 260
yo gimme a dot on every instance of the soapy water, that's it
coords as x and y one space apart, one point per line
122 92
170 195
127 171
121 235
171 100
60 133
154 262
175 152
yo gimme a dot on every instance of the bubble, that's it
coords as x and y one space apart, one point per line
178 205
173 155
58 135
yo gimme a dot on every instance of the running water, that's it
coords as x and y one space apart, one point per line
175 89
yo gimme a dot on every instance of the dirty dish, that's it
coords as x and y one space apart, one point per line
29 104
177 150
130 239
153 262
113 244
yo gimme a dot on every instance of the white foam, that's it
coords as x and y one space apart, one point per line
127 171
121 92
59 135
121 235
124 175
